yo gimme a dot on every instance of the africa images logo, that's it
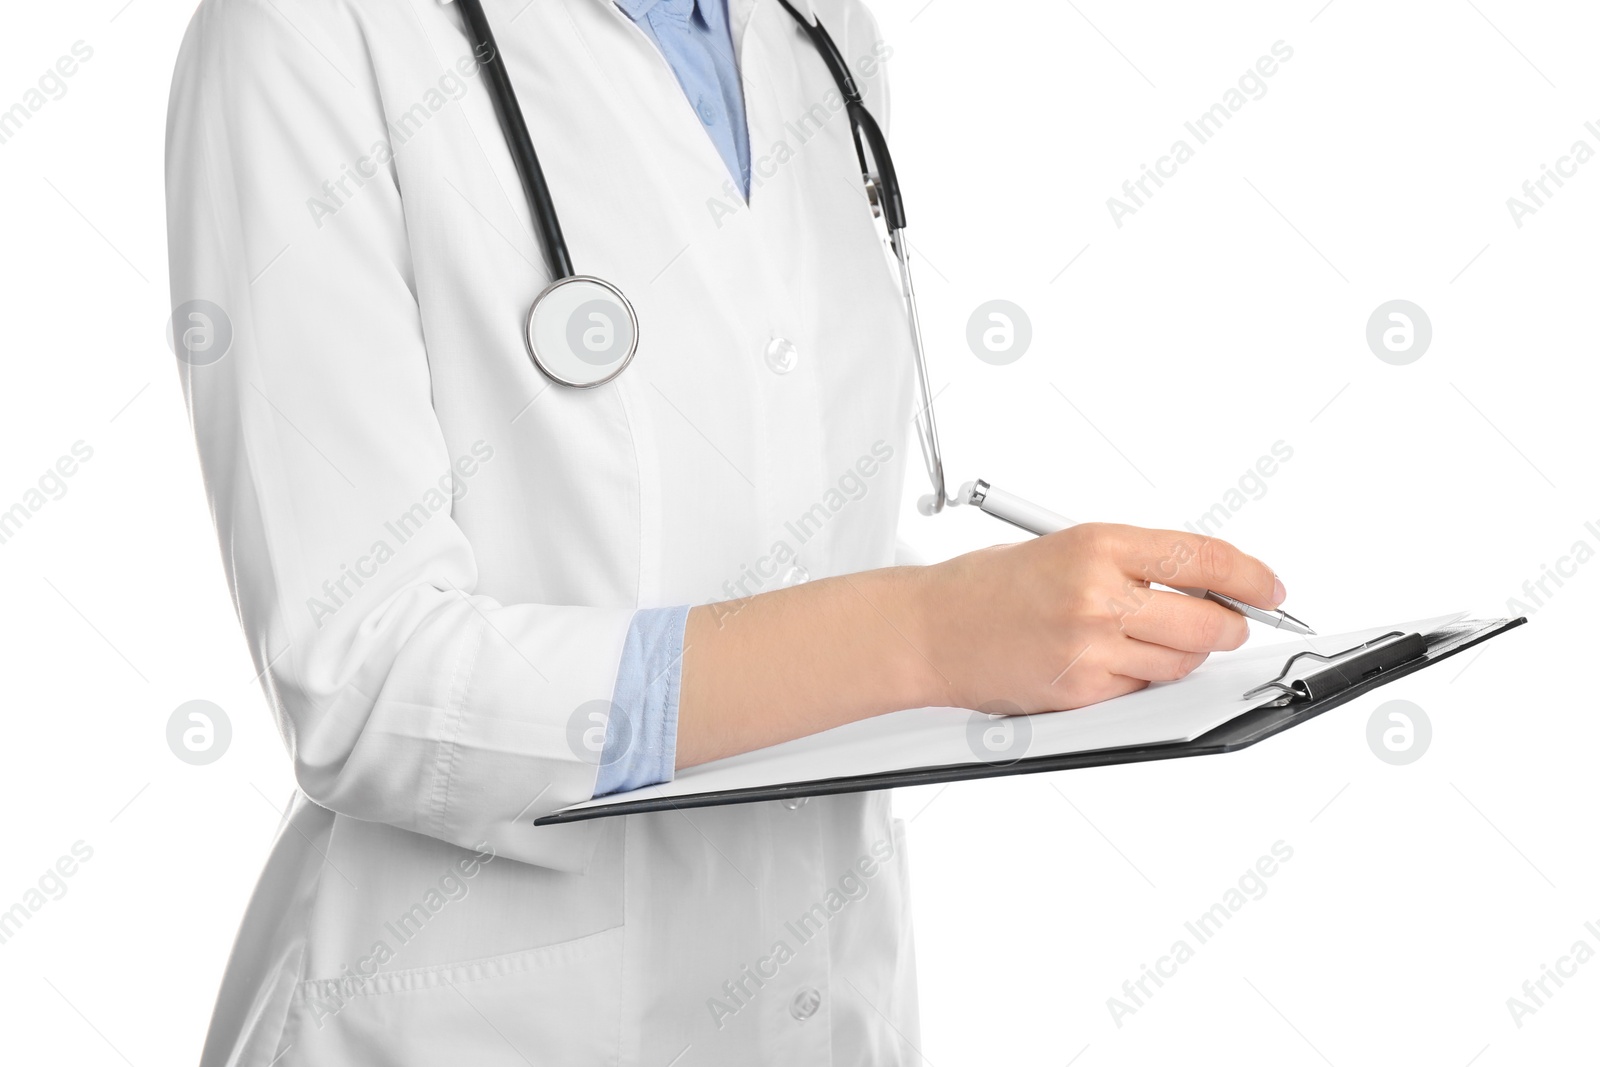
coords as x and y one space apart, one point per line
199 332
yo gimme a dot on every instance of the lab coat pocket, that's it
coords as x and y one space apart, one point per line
556 1004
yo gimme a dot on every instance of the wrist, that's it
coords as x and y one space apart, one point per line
911 606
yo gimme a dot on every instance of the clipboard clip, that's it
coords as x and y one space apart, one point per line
1355 664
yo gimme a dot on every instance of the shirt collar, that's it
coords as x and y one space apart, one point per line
638 9
628 6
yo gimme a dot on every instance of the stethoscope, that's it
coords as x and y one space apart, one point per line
582 331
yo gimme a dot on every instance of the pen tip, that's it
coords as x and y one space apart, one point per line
1295 624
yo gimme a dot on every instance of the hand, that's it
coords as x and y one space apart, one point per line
1070 619
1052 623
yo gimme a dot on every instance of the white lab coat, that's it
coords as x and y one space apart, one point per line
426 638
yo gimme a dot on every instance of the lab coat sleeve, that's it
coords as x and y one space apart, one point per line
403 694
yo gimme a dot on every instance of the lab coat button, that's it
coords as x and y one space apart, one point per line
782 355
796 575
805 1003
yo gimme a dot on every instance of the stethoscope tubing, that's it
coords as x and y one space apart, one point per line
509 111
862 124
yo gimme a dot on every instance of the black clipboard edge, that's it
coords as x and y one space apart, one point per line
1237 733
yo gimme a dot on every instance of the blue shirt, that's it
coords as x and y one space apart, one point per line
641 742
697 44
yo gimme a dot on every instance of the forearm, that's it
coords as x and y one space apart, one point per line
793 662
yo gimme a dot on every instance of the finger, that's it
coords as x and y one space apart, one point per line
1153 663
1185 623
1182 559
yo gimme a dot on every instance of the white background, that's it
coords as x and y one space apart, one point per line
1168 354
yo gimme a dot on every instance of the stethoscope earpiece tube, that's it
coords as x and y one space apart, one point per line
862 124
894 210
515 128
886 183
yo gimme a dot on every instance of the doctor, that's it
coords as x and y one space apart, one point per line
475 596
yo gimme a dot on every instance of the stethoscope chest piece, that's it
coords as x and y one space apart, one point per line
582 331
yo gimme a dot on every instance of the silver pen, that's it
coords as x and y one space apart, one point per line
1028 516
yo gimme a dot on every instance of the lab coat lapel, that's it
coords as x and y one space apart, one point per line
740 11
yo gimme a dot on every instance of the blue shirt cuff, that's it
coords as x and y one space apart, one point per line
641 745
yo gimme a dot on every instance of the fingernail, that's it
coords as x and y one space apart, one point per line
1279 594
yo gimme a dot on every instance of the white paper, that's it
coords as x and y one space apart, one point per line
936 737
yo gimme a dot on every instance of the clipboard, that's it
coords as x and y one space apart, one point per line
1309 684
